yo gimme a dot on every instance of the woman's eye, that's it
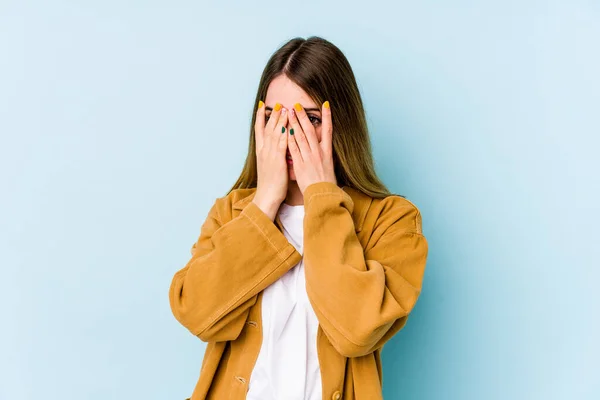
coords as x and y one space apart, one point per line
314 120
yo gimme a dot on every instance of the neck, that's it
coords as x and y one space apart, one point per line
294 196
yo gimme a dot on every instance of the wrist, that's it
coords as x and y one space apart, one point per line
268 207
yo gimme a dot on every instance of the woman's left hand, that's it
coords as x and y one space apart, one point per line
313 160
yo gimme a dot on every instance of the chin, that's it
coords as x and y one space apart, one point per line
291 174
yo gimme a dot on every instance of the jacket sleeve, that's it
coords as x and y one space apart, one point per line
361 296
232 261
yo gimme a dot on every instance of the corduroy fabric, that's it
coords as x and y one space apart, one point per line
364 263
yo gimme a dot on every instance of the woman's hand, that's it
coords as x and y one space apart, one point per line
272 170
313 160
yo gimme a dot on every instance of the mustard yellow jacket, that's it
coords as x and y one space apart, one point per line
364 261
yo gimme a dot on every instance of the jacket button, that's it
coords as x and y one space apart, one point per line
336 395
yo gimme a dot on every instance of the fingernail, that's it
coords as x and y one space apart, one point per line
284 111
260 104
298 107
283 129
291 131
277 107
326 104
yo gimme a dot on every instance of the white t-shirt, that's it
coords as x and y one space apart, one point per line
287 367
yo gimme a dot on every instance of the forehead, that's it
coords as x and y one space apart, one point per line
283 90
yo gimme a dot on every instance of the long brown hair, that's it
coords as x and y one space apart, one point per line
324 73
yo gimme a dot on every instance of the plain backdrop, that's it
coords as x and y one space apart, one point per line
122 122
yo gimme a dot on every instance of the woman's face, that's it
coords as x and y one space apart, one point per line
282 90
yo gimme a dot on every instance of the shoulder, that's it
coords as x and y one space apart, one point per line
236 195
223 206
395 210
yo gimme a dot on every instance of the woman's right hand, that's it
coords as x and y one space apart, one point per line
272 169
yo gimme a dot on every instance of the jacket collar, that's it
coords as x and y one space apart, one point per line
361 204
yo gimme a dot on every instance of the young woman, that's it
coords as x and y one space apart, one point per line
308 265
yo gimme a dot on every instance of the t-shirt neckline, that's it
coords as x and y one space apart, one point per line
288 209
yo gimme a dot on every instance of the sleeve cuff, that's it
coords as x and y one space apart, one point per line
267 228
326 189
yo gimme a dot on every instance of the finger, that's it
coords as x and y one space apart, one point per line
283 143
280 128
300 136
307 126
294 123
326 129
294 149
273 118
295 128
259 125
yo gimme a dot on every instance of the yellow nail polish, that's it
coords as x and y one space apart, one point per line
260 104
326 104
277 107
298 107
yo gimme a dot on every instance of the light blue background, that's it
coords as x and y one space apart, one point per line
121 123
